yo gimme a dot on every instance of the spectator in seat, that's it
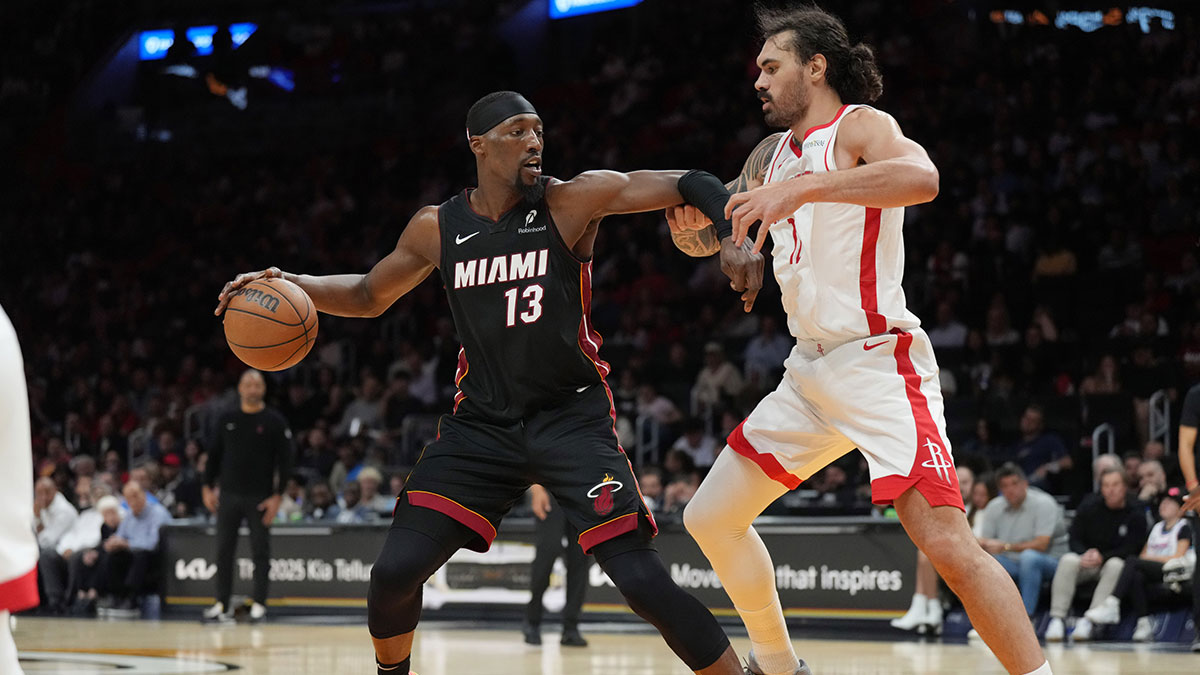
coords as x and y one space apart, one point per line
1040 454
765 351
1152 482
320 505
1105 380
365 412
130 551
1131 462
659 414
700 446
1107 528
369 480
1169 540
291 506
353 510
1025 530
948 332
55 564
1104 462
84 567
650 481
317 453
53 515
718 382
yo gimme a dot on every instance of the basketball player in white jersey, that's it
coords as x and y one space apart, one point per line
830 192
18 545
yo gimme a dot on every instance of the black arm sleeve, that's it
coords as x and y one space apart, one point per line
706 192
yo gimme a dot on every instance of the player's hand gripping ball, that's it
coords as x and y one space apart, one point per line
270 323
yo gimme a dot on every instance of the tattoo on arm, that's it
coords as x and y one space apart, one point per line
702 243
756 164
697 243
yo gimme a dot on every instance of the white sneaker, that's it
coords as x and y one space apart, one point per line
1083 630
1144 632
916 615
257 612
214 613
1055 631
933 618
1108 612
752 667
973 635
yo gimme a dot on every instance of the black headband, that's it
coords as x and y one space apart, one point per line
483 119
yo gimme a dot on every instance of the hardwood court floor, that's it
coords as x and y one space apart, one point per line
87 647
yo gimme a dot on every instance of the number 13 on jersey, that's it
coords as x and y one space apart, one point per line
533 309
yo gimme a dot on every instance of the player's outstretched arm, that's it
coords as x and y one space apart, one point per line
370 294
692 231
888 170
595 194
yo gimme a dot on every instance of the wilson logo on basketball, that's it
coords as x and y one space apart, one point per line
602 494
265 300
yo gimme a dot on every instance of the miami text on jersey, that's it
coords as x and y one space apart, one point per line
501 269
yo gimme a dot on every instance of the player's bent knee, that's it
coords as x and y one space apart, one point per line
696 519
639 576
713 523
397 577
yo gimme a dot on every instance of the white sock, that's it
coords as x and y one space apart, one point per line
768 633
1044 670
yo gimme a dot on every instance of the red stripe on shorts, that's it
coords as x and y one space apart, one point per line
766 462
933 471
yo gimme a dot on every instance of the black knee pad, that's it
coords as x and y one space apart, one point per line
407 559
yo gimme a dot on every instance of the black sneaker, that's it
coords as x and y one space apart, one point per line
533 634
572 638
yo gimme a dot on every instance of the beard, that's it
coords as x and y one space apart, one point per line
531 194
785 110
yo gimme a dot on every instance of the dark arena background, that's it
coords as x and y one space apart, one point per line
154 149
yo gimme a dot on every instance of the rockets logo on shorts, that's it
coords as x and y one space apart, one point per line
602 494
937 460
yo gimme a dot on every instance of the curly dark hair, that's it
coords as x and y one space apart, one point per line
851 71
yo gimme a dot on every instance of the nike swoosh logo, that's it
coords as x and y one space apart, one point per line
460 239
867 348
581 389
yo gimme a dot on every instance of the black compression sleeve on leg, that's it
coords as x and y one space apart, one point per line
407 559
687 626
706 192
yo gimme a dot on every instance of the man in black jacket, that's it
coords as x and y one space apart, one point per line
250 458
1107 528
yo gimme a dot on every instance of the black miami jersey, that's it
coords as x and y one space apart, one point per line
521 302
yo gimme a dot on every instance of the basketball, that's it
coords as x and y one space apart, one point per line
270 324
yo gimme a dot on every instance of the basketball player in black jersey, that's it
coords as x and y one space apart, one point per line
532 406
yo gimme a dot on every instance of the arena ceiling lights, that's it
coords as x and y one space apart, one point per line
561 9
1088 20
153 44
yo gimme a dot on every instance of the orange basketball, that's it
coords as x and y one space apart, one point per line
270 324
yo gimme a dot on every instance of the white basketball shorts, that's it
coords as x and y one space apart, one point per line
879 394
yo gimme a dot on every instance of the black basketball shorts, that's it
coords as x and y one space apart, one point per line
478 469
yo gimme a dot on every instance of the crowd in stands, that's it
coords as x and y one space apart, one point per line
1057 272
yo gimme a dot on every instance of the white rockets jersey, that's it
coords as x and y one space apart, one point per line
18 545
839 266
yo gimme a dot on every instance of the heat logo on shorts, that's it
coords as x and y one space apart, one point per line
601 494
938 461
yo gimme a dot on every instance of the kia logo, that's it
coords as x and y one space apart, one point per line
197 569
